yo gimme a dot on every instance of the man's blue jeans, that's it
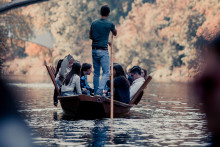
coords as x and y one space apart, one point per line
100 59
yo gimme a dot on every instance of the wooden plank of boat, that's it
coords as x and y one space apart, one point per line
52 76
120 109
53 70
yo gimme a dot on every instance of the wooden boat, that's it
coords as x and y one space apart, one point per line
86 106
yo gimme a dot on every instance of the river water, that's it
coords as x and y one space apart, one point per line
166 116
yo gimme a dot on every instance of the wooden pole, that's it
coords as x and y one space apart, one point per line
111 74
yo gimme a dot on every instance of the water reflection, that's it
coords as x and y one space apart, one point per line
164 117
99 134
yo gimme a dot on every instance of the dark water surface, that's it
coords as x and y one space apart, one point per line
166 116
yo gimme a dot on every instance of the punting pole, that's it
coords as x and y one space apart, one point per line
111 75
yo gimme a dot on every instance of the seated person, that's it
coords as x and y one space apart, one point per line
58 66
107 90
129 77
64 69
138 80
144 73
121 84
71 84
86 70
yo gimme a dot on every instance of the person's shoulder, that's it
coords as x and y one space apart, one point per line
120 78
141 80
76 76
124 80
95 21
110 22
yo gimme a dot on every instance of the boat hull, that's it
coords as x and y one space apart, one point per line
84 106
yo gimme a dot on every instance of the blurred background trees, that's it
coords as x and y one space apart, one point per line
162 36
14 28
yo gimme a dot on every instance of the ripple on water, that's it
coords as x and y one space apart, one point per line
161 119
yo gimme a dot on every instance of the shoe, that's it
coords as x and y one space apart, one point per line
99 93
55 104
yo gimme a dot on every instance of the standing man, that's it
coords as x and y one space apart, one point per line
99 34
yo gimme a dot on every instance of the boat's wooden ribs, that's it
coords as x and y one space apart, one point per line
53 70
52 76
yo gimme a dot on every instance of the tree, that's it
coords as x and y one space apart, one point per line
3 47
14 27
69 22
163 34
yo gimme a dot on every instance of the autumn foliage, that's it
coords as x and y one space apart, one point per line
162 36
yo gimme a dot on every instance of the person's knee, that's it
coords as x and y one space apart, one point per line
96 74
106 73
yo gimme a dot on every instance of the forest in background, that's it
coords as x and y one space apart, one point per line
161 36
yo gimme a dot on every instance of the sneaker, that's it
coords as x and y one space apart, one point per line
55 104
99 92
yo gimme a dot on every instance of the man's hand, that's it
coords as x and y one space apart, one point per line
115 32
90 34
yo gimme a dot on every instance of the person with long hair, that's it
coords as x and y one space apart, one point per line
64 69
144 73
58 66
121 84
71 84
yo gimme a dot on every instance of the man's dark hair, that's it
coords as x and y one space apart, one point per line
85 67
105 10
135 69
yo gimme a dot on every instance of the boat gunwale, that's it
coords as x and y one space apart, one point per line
94 99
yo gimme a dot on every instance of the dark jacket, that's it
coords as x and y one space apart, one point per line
130 80
121 89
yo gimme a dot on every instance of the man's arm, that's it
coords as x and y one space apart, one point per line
90 34
114 32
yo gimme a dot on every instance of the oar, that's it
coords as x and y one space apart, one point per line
112 90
